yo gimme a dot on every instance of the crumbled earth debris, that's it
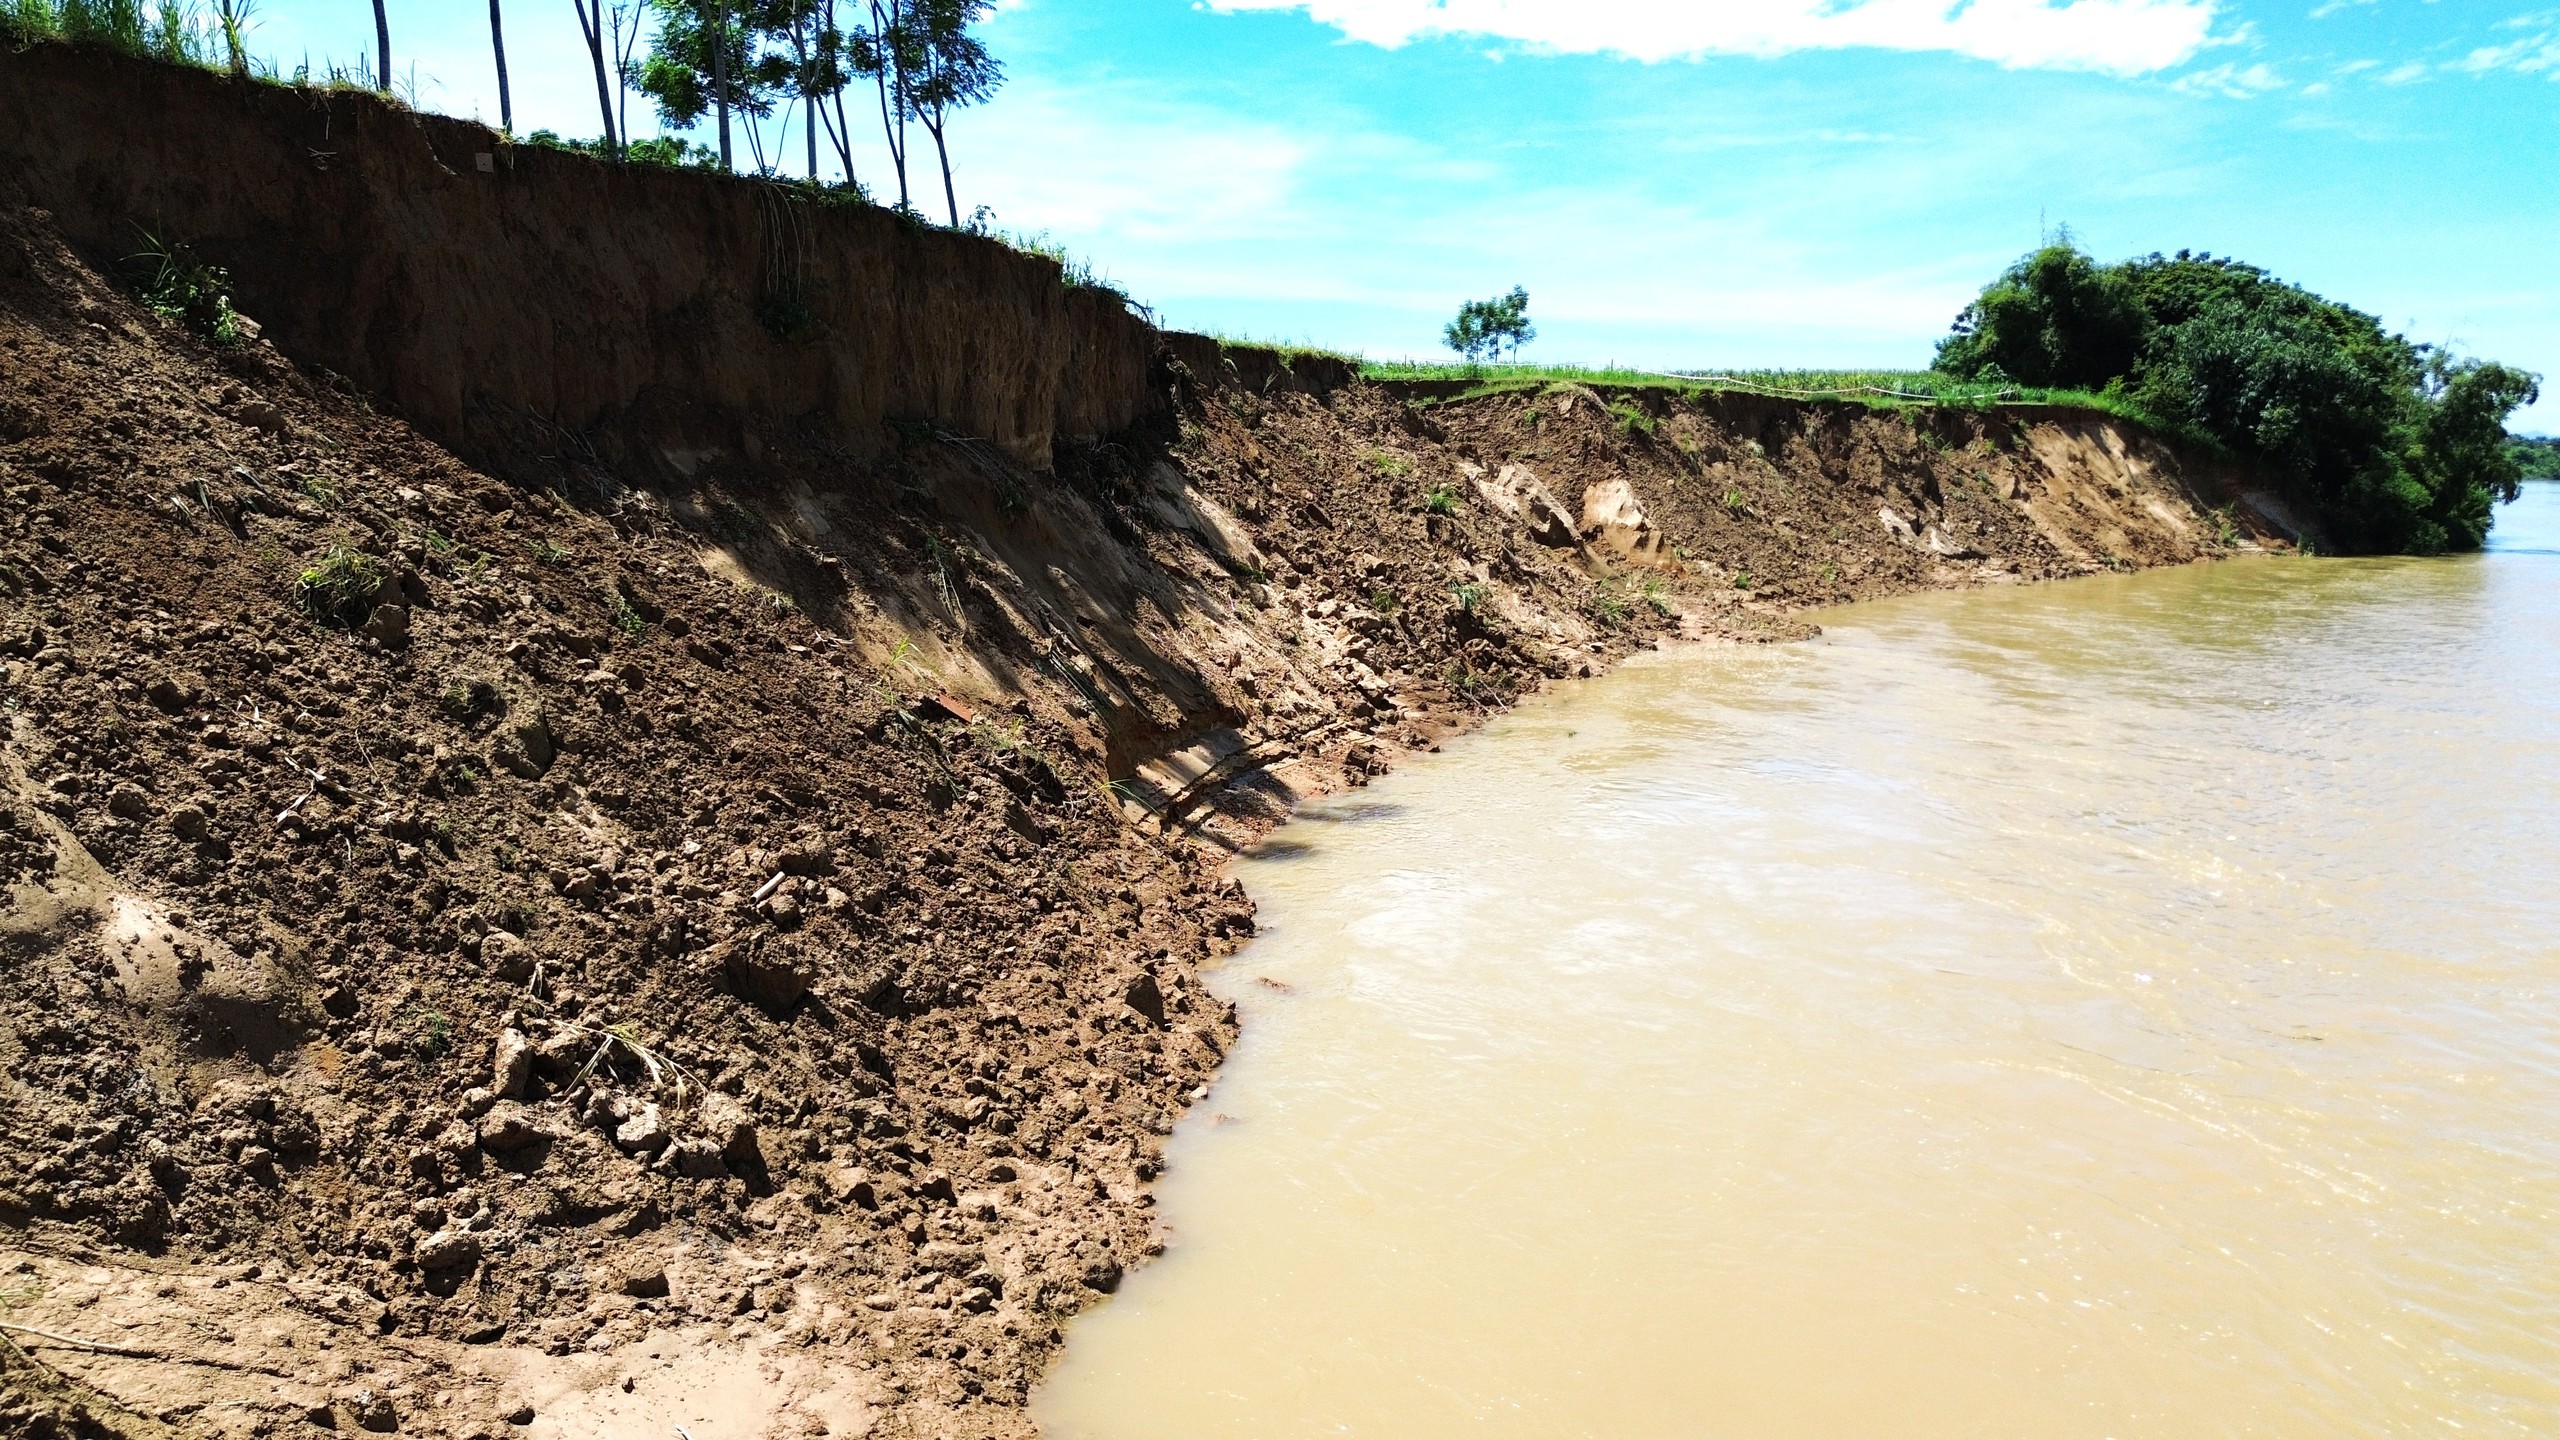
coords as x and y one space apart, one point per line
473 926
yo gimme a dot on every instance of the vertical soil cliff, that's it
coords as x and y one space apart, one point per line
500 295
696 908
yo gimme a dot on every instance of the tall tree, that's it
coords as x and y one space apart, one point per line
704 62
591 27
841 52
952 71
817 74
885 51
498 42
720 76
382 46
625 16
809 70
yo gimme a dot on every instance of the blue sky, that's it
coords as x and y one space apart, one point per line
1707 182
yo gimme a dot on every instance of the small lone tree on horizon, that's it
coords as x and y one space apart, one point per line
1485 328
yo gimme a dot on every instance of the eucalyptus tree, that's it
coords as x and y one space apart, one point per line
885 50
591 27
830 73
705 60
836 61
625 18
952 71
814 72
498 43
382 47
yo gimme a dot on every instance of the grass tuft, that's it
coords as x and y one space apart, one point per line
339 587
1389 464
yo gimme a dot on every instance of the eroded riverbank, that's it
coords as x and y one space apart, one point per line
2120 1008
533 885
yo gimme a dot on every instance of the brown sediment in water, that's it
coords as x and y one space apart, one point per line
705 919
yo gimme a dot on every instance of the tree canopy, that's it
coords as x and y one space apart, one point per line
2397 447
2536 457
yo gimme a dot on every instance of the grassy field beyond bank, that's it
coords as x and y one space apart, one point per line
1884 388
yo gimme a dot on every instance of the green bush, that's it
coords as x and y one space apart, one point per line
2396 447
2537 458
174 281
2056 318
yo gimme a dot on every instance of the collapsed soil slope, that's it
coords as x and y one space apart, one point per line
720 926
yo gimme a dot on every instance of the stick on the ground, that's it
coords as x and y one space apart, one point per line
79 1344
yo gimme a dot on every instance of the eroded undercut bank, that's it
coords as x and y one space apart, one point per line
529 917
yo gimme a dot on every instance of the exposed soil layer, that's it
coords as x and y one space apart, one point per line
497 293
681 921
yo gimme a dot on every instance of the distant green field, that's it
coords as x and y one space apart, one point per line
1883 388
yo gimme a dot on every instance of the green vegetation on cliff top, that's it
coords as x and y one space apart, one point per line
2397 447
1885 389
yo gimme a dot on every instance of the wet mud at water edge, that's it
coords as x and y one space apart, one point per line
2118 1008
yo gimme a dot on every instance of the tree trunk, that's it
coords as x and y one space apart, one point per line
382 46
897 157
620 114
905 108
590 25
892 127
498 43
800 47
841 133
720 79
943 151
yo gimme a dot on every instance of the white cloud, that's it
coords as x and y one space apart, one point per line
2121 37
2537 54
2237 82
1109 164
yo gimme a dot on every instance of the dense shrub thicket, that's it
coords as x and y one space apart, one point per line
2536 457
2399 448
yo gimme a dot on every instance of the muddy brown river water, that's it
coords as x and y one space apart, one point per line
2121 1008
